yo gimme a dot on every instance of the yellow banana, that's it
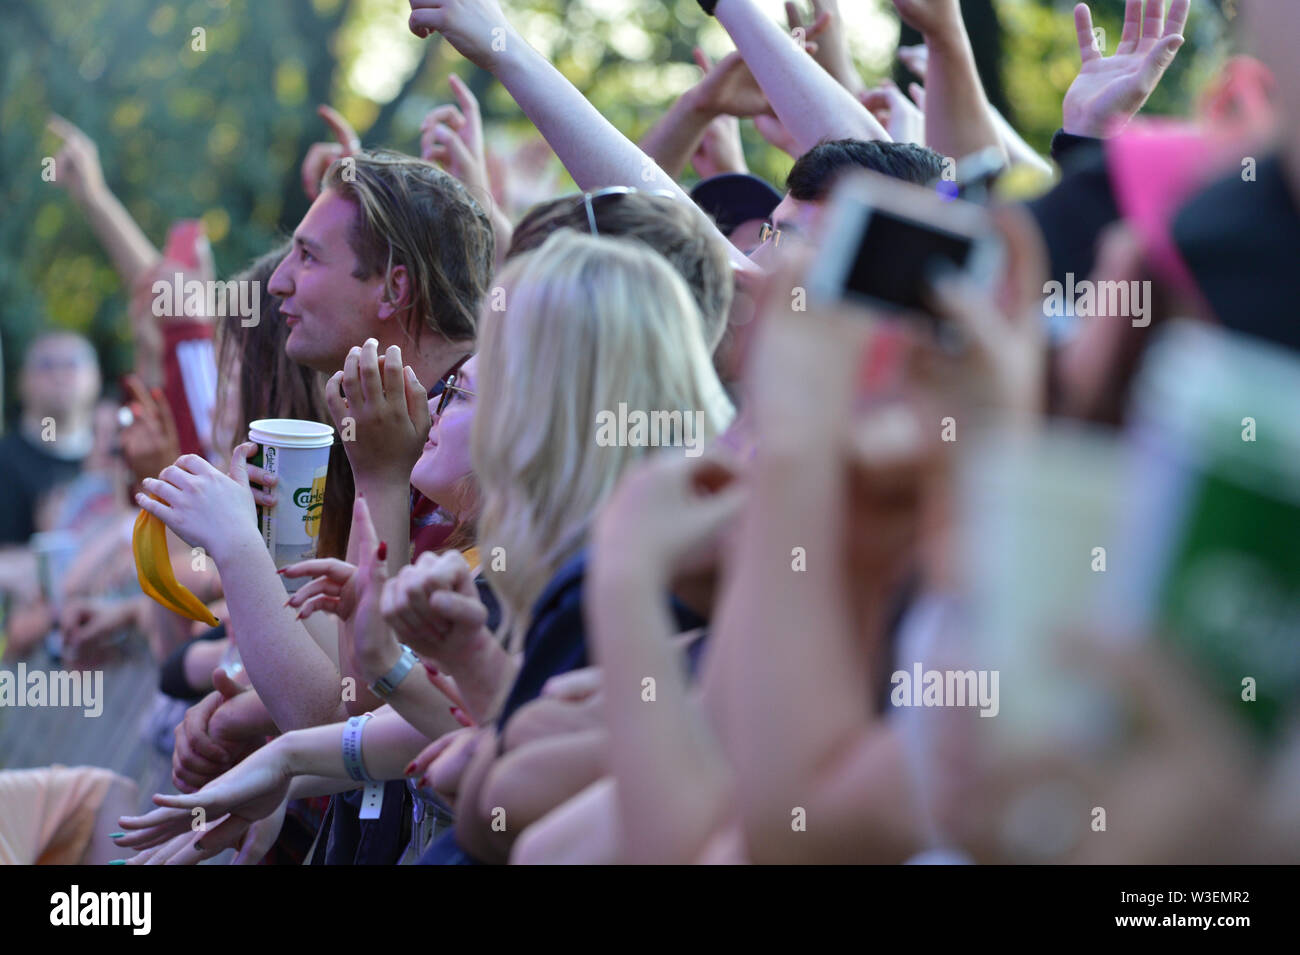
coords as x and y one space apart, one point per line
153 567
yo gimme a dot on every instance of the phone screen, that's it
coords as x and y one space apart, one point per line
893 257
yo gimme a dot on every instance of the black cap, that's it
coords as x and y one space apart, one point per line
735 197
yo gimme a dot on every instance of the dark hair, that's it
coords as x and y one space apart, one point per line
272 385
412 214
814 173
670 227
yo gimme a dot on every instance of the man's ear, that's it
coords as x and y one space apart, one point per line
395 297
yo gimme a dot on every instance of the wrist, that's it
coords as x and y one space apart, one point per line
947 35
478 654
696 106
244 542
376 658
514 50
376 483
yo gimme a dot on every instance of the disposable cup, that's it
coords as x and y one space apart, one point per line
298 453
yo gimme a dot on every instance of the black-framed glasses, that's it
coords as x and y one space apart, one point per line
448 386
589 199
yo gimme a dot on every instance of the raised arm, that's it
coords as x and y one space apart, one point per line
810 103
593 151
958 118
77 168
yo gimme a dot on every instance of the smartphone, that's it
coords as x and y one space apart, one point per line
883 237
185 243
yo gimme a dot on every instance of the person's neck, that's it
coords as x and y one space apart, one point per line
435 357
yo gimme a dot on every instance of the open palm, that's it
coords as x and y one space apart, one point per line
1109 90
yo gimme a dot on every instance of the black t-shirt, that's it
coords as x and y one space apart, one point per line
1241 241
27 473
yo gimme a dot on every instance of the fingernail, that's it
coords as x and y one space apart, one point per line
410 769
282 570
117 862
382 552
116 835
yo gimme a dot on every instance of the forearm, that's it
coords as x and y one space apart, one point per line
531 781
958 118
415 699
823 677
305 787
291 672
503 231
201 658
122 238
653 747
483 676
593 151
388 744
810 103
677 134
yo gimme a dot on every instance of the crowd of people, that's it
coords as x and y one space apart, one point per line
639 545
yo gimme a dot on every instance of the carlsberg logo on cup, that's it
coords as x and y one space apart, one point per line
298 453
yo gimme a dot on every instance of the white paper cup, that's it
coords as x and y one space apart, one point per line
298 453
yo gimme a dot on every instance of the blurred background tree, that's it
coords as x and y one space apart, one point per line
218 133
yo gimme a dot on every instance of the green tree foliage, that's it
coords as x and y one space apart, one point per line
219 133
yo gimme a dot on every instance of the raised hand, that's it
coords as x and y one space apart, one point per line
320 156
389 412
728 88
904 119
477 29
76 167
930 17
832 48
452 136
1109 90
720 149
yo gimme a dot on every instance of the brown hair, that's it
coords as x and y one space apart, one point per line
668 226
271 385
415 215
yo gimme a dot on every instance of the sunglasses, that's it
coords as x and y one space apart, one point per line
589 199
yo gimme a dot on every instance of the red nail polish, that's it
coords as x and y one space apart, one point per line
433 670
282 570
382 552
410 768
